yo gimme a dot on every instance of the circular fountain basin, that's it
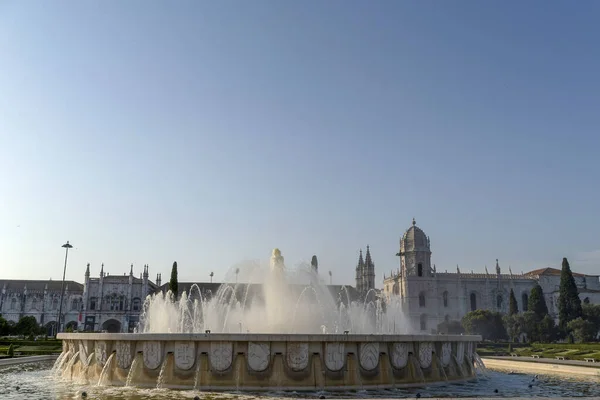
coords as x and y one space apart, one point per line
255 362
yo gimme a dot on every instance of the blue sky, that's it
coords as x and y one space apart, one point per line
211 132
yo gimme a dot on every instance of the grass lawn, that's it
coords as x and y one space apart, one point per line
550 350
29 348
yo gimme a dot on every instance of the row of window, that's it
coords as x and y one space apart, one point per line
115 303
473 299
35 304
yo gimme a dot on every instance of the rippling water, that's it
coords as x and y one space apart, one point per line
33 381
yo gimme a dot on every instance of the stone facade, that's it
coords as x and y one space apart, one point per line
41 299
430 297
113 303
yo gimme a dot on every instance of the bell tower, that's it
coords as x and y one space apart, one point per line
415 253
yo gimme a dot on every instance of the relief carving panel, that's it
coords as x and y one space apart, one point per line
446 353
152 352
259 354
399 355
84 351
124 354
100 349
221 355
368 355
297 356
425 354
185 355
334 356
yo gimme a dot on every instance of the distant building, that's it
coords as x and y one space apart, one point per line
113 303
430 297
41 299
365 273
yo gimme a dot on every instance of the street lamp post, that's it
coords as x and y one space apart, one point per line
66 246
211 275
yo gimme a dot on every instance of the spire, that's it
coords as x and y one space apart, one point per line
361 262
87 270
102 271
497 267
368 257
414 222
131 270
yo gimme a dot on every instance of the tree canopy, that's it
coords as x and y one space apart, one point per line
173 283
569 303
513 308
537 303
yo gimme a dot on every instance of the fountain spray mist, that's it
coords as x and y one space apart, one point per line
274 301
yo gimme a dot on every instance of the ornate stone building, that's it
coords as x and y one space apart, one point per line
113 303
41 299
365 273
430 297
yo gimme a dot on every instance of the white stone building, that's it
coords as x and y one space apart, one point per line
113 303
41 299
431 297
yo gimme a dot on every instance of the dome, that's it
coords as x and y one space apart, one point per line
414 239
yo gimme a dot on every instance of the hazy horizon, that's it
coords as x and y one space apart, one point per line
211 132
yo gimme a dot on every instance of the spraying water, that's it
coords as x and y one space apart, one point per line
277 301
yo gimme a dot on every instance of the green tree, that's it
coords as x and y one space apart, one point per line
451 328
513 308
582 330
513 326
4 327
173 284
546 330
591 312
569 303
537 303
11 351
26 325
486 323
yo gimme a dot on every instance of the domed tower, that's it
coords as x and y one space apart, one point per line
415 253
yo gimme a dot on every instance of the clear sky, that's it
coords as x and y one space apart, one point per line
209 132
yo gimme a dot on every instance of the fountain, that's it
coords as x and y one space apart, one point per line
276 333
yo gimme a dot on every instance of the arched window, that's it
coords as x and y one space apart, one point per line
93 303
525 301
423 322
34 304
473 302
136 304
445 298
75 304
117 303
420 269
396 288
13 304
422 299
55 304
499 301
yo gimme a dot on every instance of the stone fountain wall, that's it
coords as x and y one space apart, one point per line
268 362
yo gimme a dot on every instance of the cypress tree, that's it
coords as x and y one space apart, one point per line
173 282
513 308
537 303
569 303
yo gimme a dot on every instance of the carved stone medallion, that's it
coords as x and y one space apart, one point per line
460 352
399 355
101 357
152 354
446 354
334 356
425 354
297 356
185 355
259 354
368 354
221 355
84 352
124 354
